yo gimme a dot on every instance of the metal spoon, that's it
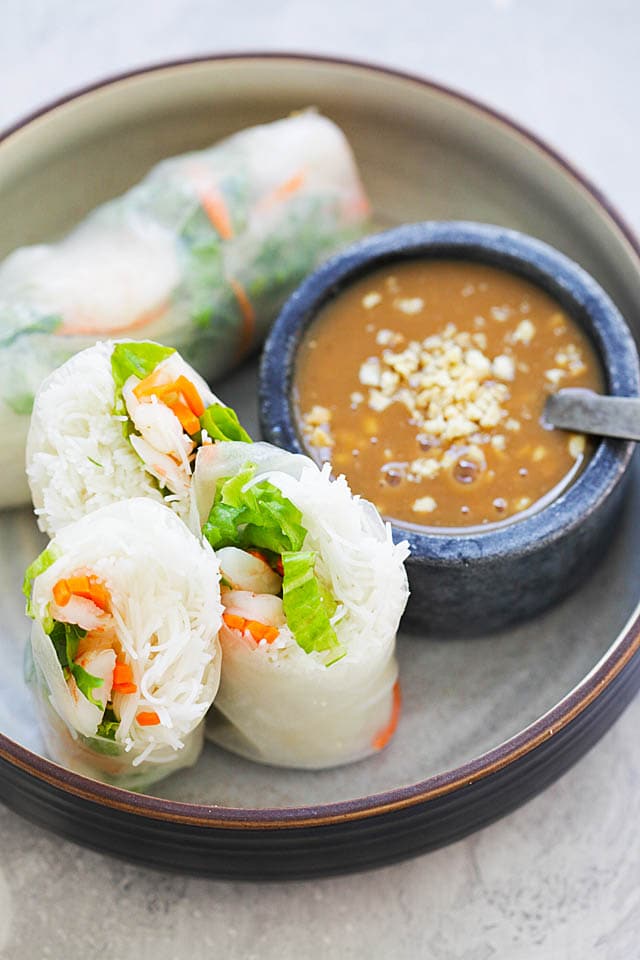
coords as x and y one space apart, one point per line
587 412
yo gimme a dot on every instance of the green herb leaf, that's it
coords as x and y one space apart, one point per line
308 606
87 683
134 358
258 517
74 635
221 423
66 638
21 403
44 324
58 637
39 565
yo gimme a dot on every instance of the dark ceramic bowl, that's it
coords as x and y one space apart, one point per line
474 580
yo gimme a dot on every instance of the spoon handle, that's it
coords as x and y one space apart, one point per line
587 412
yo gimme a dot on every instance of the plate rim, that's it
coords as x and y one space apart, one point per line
617 656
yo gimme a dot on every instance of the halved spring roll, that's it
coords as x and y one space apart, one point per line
120 419
313 589
126 657
200 255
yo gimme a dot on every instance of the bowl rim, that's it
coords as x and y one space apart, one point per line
511 251
540 731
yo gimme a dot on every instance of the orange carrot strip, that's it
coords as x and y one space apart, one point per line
260 631
189 421
89 588
292 185
256 629
216 209
80 582
233 621
61 593
191 395
124 688
283 191
382 738
169 394
150 384
122 673
248 316
148 718
89 326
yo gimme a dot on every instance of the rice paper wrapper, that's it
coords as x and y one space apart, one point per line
294 716
200 255
165 610
281 705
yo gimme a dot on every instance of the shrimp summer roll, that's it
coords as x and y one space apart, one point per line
313 589
118 420
200 255
125 651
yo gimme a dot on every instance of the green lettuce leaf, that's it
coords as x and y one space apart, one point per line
221 423
39 565
307 606
87 683
263 517
109 725
258 517
66 638
134 358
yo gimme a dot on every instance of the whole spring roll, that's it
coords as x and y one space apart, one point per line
124 644
118 420
313 589
200 255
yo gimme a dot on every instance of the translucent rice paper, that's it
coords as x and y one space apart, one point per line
200 256
276 703
165 601
78 456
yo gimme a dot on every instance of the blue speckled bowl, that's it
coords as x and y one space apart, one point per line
477 581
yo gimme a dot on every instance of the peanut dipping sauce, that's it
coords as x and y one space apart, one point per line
424 383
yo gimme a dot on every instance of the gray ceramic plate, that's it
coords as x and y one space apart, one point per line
485 722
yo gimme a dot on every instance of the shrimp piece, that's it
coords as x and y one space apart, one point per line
81 599
96 641
251 616
100 664
96 656
166 471
157 424
247 572
80 611
261 607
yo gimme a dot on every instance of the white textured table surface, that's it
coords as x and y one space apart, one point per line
560 878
